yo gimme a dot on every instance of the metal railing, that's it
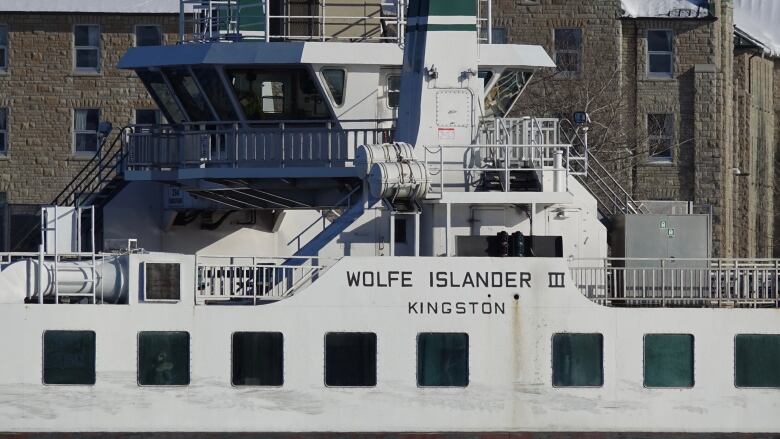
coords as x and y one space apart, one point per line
278 145
455 167
613 199
254 280
702 283
96 174
313 20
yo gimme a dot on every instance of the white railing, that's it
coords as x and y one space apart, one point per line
705 283
279 145
470 167
254 280
345 20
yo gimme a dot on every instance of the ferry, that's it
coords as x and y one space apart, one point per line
344 229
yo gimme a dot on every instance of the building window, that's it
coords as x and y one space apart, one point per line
85 128
3 48
578 360
660 136
568 50
148 117
258 359
393 91
350 359
87 47
163 358
3 131
148 35
69 357
757 360
336 79
668 360
499 35
443 360
660 59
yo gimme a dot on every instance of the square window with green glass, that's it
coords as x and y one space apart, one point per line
442 359
578 360
258 359
350 359
69 357
757 360
668 360
163 358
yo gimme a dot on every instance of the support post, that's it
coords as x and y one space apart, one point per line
392 233
417 233
447 229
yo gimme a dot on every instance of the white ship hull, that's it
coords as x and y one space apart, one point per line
510 376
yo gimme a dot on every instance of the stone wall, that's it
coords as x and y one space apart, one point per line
716 128
776 250
41 91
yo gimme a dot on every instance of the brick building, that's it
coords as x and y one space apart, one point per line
684 105
58 79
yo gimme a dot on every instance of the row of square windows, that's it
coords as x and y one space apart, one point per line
86 123
86 44
442 359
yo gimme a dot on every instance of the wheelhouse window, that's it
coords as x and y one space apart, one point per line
568 50
163 358
393 91
3 48
336 80
757 360
69 357
216 92
660 53
148 35
350 359
85 129
87 47
258 359
660 136
3 131
443 359
578 360
668 360
277 94
158 89
190 95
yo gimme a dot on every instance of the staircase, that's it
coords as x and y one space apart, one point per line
348 210
98 182
612 198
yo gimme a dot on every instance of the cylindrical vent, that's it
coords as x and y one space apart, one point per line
367 155
399 181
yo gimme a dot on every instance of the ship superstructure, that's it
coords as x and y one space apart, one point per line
342 227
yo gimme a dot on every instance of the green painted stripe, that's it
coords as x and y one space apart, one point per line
453 7
452 27
443 8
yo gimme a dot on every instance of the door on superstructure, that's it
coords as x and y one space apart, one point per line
388 97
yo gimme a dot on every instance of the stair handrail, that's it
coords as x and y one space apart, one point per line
596 171
70 189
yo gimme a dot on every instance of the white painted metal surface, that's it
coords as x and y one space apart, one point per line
509 387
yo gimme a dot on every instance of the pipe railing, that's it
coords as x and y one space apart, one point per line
254 280
276 145
465 167
232 20
702 283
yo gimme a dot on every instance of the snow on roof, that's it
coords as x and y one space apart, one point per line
666 8
760 20
92 6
